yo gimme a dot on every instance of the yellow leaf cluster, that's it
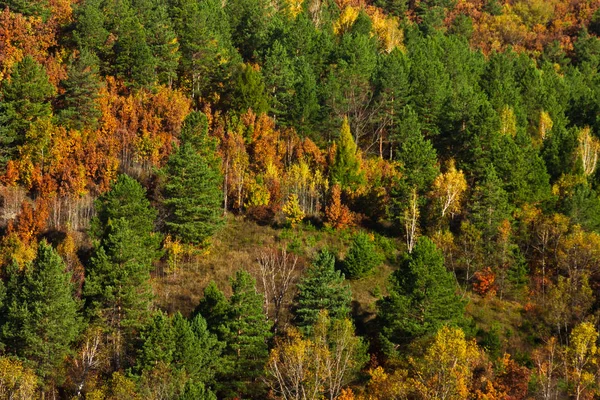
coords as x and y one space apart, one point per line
346 20
388 31
589 146
16 381
448 189
292 210
446 369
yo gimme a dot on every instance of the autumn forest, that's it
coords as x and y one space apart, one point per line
299 199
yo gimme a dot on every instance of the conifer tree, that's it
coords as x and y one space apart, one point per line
79 102
346 168
90 31
40 318
417 155
245 332
213 307
422 297
117 286
362 256
193 184
490 205
24 99
322 288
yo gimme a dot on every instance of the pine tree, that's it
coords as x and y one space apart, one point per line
422 297
197 350
490 205
117 286
79 102
90 31
213 307
362 256
134 60
346 168
246 331
25 99
187 346
127 199
40 318
322 288
193 184
161 38
417 155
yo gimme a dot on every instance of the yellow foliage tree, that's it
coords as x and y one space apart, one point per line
448 189
16 381
346 20
508 121
446 370
582 361
317 365
589 146
292 210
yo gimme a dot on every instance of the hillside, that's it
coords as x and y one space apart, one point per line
285 199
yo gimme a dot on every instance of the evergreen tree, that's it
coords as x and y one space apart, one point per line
249 91
40 318
193 184
25 99
417 155
490 205
362 256
127 199
39 8
322 288
79 101
430 82
133 58
245 331
197 350
392 89
187 346
346 168
117 286
422 297
90 32
213 307
161 38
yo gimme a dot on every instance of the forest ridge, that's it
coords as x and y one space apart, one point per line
299 199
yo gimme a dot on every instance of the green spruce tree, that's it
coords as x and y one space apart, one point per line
245 332
79 101
362 256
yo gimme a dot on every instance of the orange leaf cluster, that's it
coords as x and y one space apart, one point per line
337 214
485 282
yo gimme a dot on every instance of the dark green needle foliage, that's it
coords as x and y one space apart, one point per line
362 257
322 288
40 319
24 99
422 297
192 187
